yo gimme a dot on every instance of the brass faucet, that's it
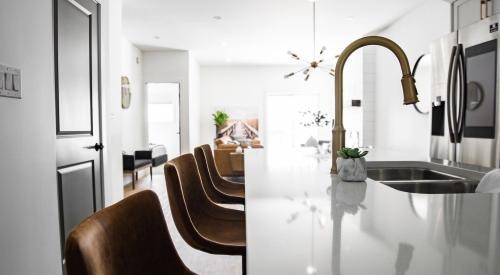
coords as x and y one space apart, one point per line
409 89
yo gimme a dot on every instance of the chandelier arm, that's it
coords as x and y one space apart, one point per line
296 72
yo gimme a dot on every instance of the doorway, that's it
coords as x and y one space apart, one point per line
163 115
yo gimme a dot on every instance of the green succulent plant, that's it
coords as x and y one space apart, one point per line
351 153
220 118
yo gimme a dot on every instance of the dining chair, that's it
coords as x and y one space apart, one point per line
129 237
227 186
203 224
233 193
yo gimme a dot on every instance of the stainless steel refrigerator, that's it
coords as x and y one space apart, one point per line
465 117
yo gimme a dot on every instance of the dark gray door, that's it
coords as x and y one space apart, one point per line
78 119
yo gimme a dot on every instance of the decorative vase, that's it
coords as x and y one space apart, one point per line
217 132
352 169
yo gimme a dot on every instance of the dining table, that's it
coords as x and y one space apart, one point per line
300 219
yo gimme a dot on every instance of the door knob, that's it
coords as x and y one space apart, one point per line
97 146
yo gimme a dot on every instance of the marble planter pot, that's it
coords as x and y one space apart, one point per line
352 169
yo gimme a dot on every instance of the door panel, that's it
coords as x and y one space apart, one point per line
466 12
75 80
76 195
475 150
77 58
441 52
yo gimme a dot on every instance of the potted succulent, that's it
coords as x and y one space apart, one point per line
220 119
351 164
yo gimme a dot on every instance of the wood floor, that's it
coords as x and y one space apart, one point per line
199 262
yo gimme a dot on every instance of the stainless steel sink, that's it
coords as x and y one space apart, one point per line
434 187
407 174
422 180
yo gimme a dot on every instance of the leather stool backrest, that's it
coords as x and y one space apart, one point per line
129 237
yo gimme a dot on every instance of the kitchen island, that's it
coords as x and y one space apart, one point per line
302 220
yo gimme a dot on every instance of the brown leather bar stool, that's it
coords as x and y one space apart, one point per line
230 193
226 186
129 237
203 224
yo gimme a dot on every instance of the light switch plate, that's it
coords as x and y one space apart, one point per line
11 82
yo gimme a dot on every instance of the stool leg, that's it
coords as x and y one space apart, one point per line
151 172
244 264
133 180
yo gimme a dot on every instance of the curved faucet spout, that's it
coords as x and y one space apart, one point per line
407 81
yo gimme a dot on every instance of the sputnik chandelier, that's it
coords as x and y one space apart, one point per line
317 61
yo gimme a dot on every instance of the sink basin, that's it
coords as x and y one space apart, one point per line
422 180
408 174
434 187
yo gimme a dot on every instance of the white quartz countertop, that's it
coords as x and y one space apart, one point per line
301 220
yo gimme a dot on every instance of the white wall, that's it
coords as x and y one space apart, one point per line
247 86
111 89
194 102
399 127
134 127
171 66
29 230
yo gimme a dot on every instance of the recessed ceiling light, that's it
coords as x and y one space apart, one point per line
350 18
229 60
223 44
156 37
217 17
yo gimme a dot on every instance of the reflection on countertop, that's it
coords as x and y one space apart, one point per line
301 220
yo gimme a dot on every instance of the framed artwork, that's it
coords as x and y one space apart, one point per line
126 95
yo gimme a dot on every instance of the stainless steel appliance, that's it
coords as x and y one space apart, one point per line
464 117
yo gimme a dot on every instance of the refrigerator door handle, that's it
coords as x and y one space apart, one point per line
463 86
455 94
450 94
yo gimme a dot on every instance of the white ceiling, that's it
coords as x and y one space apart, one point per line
255 31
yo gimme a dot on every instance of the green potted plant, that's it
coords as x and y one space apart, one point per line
220 119
351 164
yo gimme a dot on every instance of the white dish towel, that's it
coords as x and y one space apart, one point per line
490 183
